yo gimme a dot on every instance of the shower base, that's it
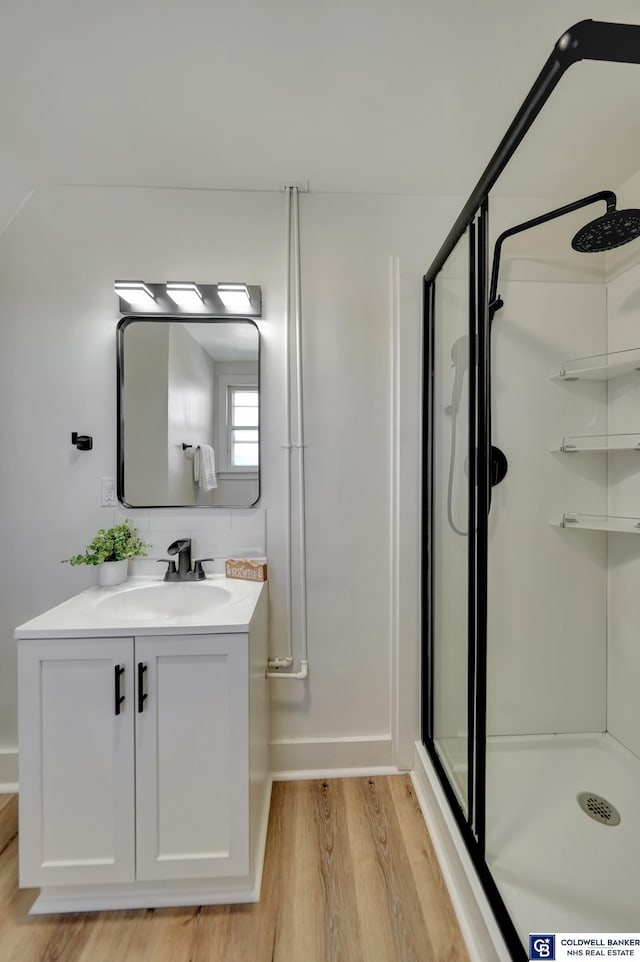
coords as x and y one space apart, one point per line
557 869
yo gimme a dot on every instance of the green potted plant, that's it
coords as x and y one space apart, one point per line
111 550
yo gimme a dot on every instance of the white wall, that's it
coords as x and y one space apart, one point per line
363 257
15 186
362 311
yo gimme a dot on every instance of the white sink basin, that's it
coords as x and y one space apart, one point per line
149 606
165 601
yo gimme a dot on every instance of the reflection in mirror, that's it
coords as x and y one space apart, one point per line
188 412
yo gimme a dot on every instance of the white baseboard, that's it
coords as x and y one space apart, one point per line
289 758
55 901
477 923
8 770
305 775
330 757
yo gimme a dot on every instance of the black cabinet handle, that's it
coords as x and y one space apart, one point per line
119 671
142 695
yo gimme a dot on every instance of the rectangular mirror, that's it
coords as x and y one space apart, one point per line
188 412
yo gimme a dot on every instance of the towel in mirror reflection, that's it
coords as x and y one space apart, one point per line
204 467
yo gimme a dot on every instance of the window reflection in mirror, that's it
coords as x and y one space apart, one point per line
192 383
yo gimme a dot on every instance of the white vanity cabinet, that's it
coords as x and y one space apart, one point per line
76 762
143 767
192 765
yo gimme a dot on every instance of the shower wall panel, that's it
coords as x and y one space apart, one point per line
547 585
623 644
622 259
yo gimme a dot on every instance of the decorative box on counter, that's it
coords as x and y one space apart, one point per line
246 570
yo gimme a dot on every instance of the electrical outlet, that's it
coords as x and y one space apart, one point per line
108 492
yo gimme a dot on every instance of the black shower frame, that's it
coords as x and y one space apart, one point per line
586 40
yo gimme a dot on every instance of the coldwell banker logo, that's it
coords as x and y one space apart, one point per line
542 947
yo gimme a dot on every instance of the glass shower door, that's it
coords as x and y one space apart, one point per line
451 383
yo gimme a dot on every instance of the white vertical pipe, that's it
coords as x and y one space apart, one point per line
288 660
287 416
293 241
302 529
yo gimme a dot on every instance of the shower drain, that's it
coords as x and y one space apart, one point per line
599 808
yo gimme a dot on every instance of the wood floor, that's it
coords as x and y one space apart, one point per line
350 876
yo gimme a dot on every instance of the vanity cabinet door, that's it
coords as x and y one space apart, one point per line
192 756
76 761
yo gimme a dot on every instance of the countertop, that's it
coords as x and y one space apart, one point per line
94 614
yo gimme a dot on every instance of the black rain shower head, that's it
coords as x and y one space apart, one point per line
613 229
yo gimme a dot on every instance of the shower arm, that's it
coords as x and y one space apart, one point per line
495 301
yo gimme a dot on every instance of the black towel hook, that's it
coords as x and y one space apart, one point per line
83 442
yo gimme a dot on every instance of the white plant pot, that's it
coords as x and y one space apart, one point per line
112 573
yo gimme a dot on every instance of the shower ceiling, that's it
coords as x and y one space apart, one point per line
405 96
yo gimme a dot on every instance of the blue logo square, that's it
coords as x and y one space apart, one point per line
542 947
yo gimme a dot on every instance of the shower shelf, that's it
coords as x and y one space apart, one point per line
600 522
600 442
599 367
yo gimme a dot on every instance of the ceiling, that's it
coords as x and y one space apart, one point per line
393 96
226 340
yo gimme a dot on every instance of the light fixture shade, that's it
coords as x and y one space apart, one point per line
235 297
185 294
134 292
185 297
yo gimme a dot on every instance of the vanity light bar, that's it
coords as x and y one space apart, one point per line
185 297
235 297
185 294
134 292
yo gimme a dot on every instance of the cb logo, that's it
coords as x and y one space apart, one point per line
542 947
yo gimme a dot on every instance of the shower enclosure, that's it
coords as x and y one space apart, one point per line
531 655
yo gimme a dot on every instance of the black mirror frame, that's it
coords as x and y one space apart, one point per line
123 323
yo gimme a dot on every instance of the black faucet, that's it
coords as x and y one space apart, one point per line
182 547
